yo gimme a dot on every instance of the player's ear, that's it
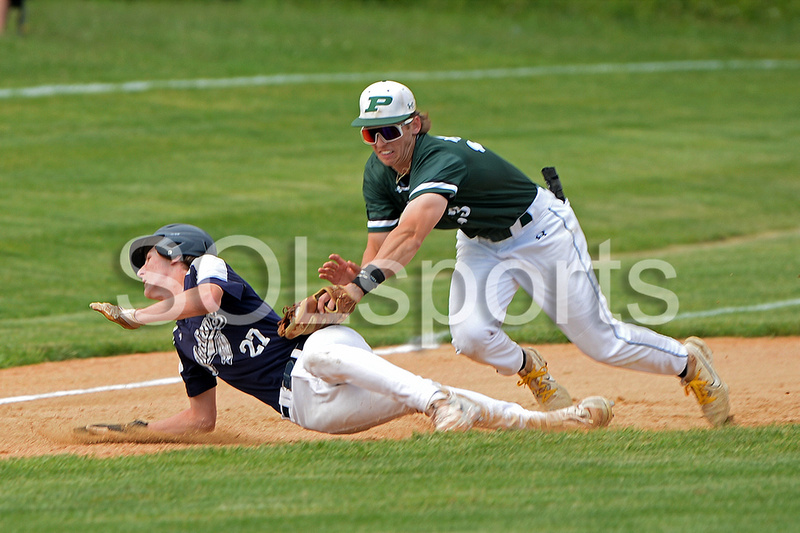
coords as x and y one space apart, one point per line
185 261
416 125
424 123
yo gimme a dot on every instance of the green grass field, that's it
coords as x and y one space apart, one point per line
725 480
694 165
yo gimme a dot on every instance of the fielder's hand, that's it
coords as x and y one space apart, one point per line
123 317
307 316
338 271
137 426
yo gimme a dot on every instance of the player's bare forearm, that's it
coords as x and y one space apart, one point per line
374 243
398 243
399 248
389 252
198 301
402 243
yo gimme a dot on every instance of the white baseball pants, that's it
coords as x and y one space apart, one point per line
549 259
339 385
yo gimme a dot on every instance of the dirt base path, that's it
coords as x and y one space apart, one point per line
763 375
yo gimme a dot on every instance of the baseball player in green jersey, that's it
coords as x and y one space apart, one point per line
512 234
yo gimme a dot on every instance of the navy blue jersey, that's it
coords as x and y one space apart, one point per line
239 343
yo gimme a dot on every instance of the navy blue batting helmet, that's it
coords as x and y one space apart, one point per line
172 241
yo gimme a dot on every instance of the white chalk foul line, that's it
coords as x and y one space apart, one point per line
42 91
405 348
76 392
745 309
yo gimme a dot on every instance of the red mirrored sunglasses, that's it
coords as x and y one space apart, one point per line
389 133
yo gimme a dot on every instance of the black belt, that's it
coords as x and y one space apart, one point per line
498 235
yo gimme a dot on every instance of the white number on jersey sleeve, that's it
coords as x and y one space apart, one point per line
478 147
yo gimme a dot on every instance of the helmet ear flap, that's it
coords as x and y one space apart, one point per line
168 248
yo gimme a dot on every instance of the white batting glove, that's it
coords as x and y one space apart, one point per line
120 315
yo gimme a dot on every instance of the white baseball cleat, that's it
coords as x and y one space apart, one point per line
454 413
548 393
704 382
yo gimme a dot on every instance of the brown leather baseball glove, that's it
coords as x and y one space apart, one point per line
303 318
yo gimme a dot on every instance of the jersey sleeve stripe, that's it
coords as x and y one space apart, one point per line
436 186
377 224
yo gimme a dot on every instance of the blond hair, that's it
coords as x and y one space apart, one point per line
426 123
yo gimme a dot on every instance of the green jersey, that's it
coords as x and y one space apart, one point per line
484 192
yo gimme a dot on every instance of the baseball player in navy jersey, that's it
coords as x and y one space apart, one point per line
511 234
330 381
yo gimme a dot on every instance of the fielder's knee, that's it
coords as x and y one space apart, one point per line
488 345
472 342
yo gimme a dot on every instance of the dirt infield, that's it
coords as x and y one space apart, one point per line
763 375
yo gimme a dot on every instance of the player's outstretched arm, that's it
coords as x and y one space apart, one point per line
200 417
400 245
388 252
197 301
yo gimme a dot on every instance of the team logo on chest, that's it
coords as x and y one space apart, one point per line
210 342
